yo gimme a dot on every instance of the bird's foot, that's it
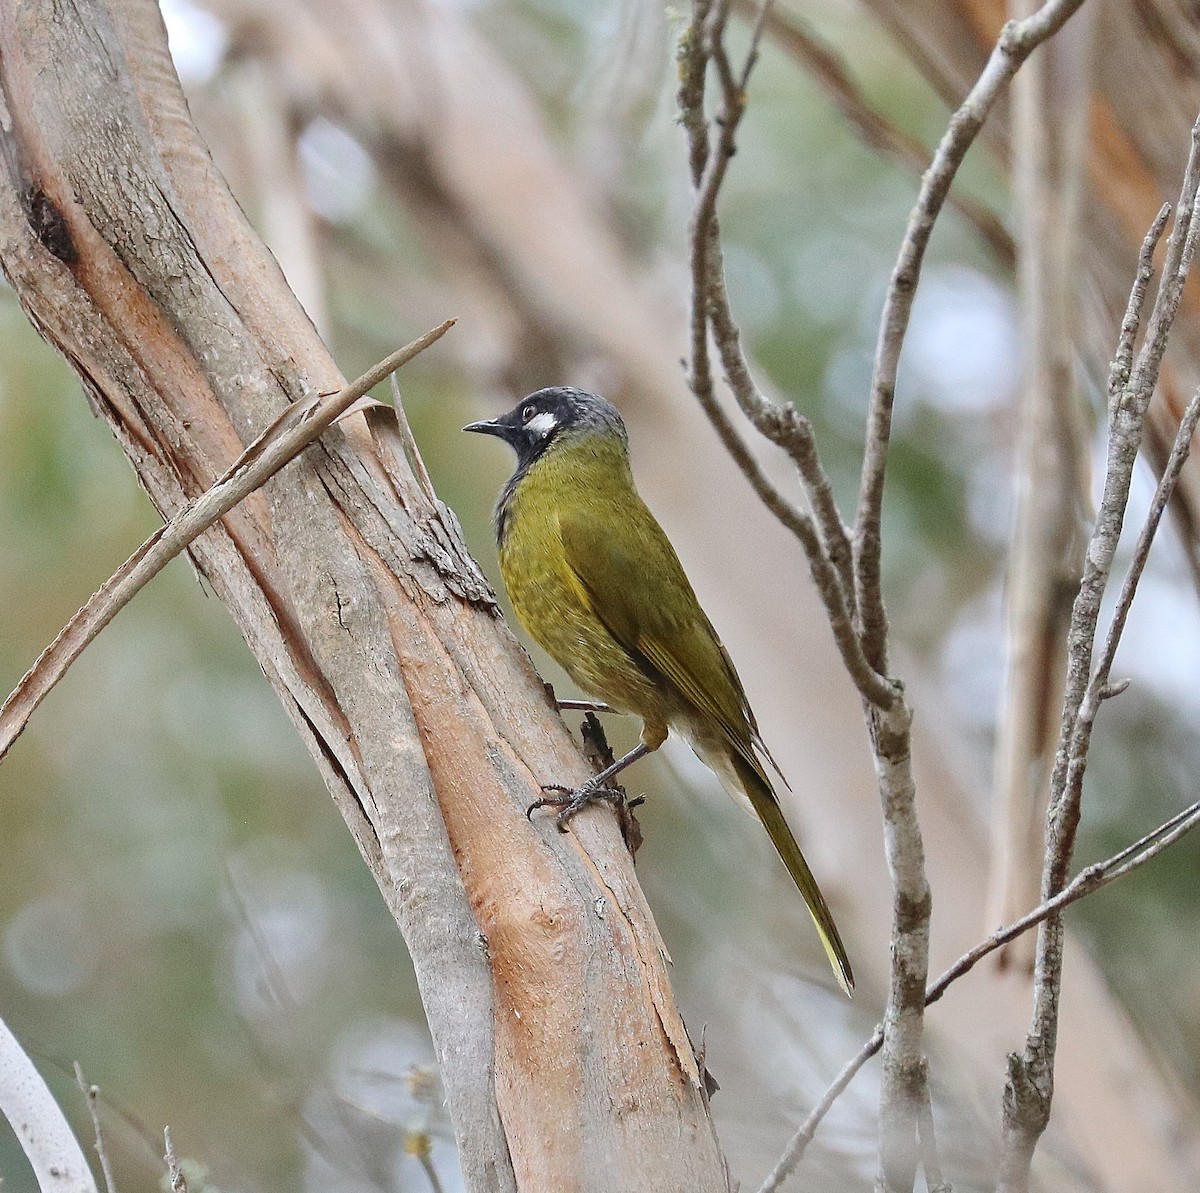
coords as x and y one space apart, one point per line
569 801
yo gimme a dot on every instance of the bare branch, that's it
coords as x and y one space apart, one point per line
903 1079
1030 1087
1017 41
1049 131
793 34
1103 688
707 174
174 1171
91 1094
1122 365
1089 880
825 541
889 718
794 1151
39 1124
296 428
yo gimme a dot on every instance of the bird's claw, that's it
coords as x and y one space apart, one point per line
569 801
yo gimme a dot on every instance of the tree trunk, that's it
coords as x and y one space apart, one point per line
543 976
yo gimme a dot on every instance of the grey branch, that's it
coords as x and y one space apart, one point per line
1050 98
1017 41
39 1124
91 1094
792 34
1029 1089
1089 880
1105 688
903 1079
822 534
174 1171
298 426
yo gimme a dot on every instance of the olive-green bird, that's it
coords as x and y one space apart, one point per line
596 582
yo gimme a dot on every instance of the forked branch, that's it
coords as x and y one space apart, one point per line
1029 1089
846 568
1087 882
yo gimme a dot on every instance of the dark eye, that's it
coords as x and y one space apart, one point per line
528 413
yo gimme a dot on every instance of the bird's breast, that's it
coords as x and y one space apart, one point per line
549 600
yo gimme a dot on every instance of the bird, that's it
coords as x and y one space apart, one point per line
594 580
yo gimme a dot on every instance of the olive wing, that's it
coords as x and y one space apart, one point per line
634 583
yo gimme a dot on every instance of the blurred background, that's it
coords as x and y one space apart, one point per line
182 910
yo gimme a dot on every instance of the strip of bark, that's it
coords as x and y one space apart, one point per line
540 968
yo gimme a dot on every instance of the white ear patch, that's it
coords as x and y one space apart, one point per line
541 424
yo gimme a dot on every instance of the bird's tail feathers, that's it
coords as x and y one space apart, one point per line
752 785
761 747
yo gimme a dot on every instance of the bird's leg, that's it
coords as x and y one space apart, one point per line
569 802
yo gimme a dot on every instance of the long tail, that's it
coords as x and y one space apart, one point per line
755 786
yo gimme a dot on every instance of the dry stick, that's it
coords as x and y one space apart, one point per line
798 1144
1029 1089
90 1094
827 549
1132 857
889 719
174 1172
297 427
1180 451
1052 515
1017 41
792 34
902 1081
693 69
782 425
1089 880
1122 365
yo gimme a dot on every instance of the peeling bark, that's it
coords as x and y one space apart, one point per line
566 1063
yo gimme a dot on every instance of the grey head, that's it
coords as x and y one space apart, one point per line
557 414
542 417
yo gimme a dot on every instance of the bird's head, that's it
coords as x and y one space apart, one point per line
558 415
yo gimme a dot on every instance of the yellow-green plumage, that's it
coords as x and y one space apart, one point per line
597 584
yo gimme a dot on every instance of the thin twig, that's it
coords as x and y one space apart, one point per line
792 34
902 1078
823 538
1089 880
425 1159
1163 493
1122 365
174 1172
1017 41
1029 1089
782 425
91 1094
286 438
795 1149
1050 98
694 58
888 716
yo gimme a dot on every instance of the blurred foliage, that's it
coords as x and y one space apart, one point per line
183 911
